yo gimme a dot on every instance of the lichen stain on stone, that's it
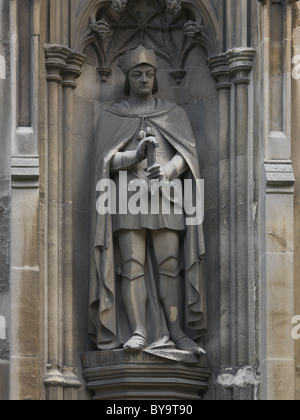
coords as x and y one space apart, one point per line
173 314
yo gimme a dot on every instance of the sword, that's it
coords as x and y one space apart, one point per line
151 148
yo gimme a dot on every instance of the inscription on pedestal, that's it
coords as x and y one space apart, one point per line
125 375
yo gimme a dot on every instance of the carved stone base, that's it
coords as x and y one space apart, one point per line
122 375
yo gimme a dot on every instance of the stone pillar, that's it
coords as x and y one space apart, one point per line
73 70
56 57
63 67
220 72
232 72
222 75
277 263
24 282
237 28
240 62
296 153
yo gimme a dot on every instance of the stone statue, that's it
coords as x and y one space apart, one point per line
147 288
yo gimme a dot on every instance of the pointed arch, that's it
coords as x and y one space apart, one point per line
202 9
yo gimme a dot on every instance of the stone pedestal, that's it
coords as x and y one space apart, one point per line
121 375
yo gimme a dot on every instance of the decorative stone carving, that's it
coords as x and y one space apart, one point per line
126 376
168 27
173 6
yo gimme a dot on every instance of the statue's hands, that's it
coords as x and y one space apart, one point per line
141 152
156 172
119 5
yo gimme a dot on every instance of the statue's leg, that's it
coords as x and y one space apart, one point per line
133 250
166 248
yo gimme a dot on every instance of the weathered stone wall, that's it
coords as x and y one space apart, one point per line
198 96
244 108
4 199
295 155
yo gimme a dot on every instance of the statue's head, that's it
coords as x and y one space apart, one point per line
140 59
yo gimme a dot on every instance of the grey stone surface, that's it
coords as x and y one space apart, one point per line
5 201
132 376
246 122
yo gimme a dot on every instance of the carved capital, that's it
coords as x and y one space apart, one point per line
74 64
219 68
240 62
236 64
63 64
56 61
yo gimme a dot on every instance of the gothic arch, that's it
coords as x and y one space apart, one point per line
202 10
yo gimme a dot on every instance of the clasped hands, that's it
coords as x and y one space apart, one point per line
147 139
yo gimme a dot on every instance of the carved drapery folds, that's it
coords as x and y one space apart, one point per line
168 27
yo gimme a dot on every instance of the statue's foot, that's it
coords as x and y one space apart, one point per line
187 344
136 343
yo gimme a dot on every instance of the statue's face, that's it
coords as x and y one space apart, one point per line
141 80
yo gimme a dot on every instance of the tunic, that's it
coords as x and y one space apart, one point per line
164 219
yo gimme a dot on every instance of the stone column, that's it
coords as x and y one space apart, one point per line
63 66
240 62
277 263
296 153
232 72
56 57
220 72
73 70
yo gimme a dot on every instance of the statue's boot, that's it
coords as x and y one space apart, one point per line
172 297
136 343
187 344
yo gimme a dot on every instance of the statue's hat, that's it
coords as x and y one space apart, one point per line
139 55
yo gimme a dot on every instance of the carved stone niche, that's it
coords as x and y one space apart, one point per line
157 374
147 23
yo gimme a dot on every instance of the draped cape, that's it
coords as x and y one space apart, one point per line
108 325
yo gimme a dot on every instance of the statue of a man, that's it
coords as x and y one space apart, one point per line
147 286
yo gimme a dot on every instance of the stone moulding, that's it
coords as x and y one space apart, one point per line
114 375
280 176
25 172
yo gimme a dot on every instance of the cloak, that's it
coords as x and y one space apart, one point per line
108 325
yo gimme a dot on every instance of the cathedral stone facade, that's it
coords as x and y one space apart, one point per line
234 67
